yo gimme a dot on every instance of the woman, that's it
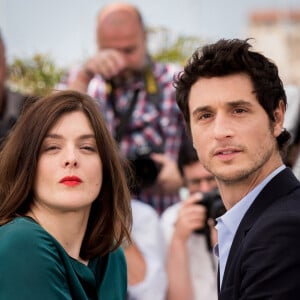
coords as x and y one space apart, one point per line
65 204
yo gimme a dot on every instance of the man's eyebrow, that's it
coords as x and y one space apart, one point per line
201 109
230 104
239 102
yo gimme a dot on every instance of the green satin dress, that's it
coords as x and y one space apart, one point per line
34 266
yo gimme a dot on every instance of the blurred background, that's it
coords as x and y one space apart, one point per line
43 38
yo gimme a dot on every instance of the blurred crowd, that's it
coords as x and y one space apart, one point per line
174 198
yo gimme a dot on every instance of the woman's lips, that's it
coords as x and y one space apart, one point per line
70 180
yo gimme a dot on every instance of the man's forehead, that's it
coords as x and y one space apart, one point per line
117 15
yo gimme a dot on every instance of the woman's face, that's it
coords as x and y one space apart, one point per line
69 169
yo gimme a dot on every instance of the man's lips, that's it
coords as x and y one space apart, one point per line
226 152
70 180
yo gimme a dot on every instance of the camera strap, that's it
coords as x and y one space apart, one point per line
153 95
121 128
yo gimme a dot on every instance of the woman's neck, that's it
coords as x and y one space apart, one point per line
67 228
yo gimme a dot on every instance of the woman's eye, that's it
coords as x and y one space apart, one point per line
89 148
50 148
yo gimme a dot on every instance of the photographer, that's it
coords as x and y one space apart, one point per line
10 102
190 263
137 98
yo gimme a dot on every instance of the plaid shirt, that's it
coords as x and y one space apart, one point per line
159 124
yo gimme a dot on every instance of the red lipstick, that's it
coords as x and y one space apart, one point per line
70 180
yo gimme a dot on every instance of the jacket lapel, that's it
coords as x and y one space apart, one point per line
280 185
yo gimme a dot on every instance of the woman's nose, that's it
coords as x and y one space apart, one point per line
70 162
70 159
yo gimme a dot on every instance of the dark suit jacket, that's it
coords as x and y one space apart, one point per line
264 259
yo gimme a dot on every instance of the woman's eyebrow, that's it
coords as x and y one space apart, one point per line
81 137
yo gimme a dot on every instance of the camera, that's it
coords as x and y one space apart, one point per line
144 167
214 207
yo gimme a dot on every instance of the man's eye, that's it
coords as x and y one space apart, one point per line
239 110
204 116
128 50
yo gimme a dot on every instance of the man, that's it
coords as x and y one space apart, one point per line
234 103
292 124
137 99
191 265
10 102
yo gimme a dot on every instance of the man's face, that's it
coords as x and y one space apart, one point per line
198 179
231 132
129 39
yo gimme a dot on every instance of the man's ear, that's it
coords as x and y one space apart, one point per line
279 118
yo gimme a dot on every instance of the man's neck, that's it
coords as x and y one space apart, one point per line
232 192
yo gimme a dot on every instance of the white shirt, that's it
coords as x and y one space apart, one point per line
203 273
147 235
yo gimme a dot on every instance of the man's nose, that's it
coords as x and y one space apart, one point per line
205 187
222 126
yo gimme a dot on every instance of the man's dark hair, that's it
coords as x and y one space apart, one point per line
187 155
227 57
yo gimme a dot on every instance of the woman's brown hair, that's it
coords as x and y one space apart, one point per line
110 217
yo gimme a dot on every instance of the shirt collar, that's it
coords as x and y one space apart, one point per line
232 218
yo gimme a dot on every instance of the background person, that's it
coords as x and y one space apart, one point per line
137 98
191 264
145 256
10 102
292 124
65 206
234 104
